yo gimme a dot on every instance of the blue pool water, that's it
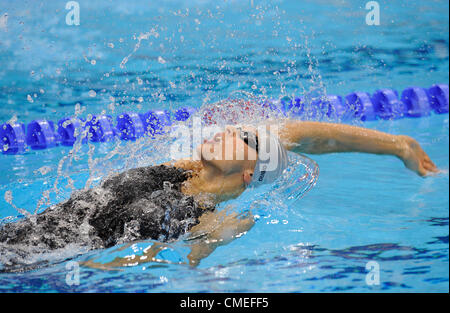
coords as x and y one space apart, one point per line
145 55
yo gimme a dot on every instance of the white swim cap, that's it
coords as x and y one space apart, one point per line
272 159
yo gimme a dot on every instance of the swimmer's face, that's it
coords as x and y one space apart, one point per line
227 152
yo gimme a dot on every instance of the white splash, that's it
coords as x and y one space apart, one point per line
4 22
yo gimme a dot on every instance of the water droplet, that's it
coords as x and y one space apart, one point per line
8 196
43 170
161 60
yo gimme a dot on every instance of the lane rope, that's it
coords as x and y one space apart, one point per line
16 138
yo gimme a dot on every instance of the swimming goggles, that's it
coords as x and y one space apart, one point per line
249 138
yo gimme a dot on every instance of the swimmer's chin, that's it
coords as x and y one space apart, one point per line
198 155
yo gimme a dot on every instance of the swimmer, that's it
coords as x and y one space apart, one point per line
167 201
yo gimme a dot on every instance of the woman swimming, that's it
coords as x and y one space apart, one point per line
166 201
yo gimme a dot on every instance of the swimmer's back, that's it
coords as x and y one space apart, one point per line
141 203
147 200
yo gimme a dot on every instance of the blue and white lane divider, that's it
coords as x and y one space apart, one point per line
382 104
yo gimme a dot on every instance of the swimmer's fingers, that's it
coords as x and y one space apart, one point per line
429 167
424 168
420 169
416 159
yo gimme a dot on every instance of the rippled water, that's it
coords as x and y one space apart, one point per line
145 55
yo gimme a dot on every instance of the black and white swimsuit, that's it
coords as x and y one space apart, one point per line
141 203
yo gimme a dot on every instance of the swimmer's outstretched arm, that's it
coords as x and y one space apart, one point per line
149 255
214 229
318 138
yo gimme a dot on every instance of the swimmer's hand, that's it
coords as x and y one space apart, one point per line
414 158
